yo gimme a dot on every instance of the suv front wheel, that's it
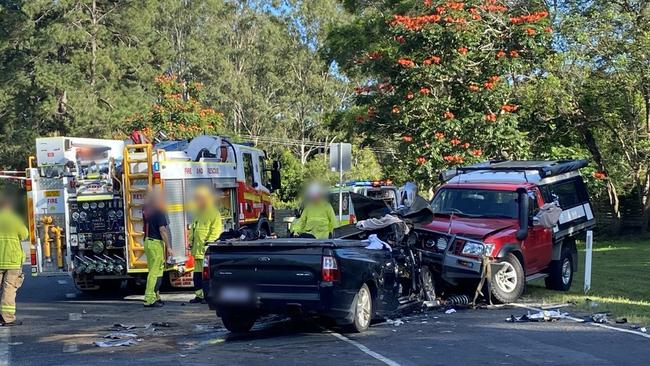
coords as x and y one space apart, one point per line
508 280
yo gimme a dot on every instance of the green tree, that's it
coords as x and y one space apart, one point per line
179 113
438 77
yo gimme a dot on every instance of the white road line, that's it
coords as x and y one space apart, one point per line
364 349
4 346
578 320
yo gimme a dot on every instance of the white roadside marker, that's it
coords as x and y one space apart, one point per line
578 320
364 349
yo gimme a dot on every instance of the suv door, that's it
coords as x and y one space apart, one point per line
538 245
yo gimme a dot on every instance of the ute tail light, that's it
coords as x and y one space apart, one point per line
330 271
32 257
206 268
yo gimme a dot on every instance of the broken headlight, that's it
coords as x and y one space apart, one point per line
475 249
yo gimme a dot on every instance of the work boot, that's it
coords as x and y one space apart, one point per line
198 300
154 305
12 324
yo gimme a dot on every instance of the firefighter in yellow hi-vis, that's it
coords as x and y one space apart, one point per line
12 232
206 227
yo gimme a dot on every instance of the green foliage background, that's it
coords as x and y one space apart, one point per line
286 74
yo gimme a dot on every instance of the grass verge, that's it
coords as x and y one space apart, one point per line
620 281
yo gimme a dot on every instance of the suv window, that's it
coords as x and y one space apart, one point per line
570 193
248 169
476 203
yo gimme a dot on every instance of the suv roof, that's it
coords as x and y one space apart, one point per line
515 172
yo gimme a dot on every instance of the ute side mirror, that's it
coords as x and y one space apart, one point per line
522 197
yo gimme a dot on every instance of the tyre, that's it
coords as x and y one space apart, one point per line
560 274
508 280
238 323
362 310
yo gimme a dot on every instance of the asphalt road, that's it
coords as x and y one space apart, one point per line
196 337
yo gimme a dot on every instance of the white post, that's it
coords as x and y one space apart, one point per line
589 245
340 182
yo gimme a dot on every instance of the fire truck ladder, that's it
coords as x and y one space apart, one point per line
138 180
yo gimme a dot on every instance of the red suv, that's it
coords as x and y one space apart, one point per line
491 211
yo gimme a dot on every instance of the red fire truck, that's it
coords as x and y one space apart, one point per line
85 199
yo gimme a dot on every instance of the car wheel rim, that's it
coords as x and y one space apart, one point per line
506 277
566 272
363 307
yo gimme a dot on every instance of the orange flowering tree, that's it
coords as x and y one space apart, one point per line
178 112
438 78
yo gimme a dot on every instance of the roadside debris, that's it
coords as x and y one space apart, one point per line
542 316
621 320
450 311
120 335
396 322
118 339
598 318
162 325
125 326
116 343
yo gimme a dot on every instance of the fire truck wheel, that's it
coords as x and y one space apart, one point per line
560 275
238 323
508 281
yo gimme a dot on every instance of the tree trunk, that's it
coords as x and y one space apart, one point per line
594 149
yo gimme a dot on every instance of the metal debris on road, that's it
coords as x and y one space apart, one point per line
396 322
598 318
125 326
162 324
116 343
542 316
120 335
450 311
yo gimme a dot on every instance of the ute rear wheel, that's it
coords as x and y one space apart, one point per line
561 272
362 310
238 323
508 281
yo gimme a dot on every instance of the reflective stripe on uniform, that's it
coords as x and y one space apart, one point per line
11 309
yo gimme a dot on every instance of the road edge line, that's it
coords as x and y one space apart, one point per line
578 320
365 349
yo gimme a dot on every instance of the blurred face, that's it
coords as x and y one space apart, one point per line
201 201
156 200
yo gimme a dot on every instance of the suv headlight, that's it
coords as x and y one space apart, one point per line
471 248
489 248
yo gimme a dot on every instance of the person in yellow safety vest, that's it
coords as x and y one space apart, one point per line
206 227
317 218
157 241
12 232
